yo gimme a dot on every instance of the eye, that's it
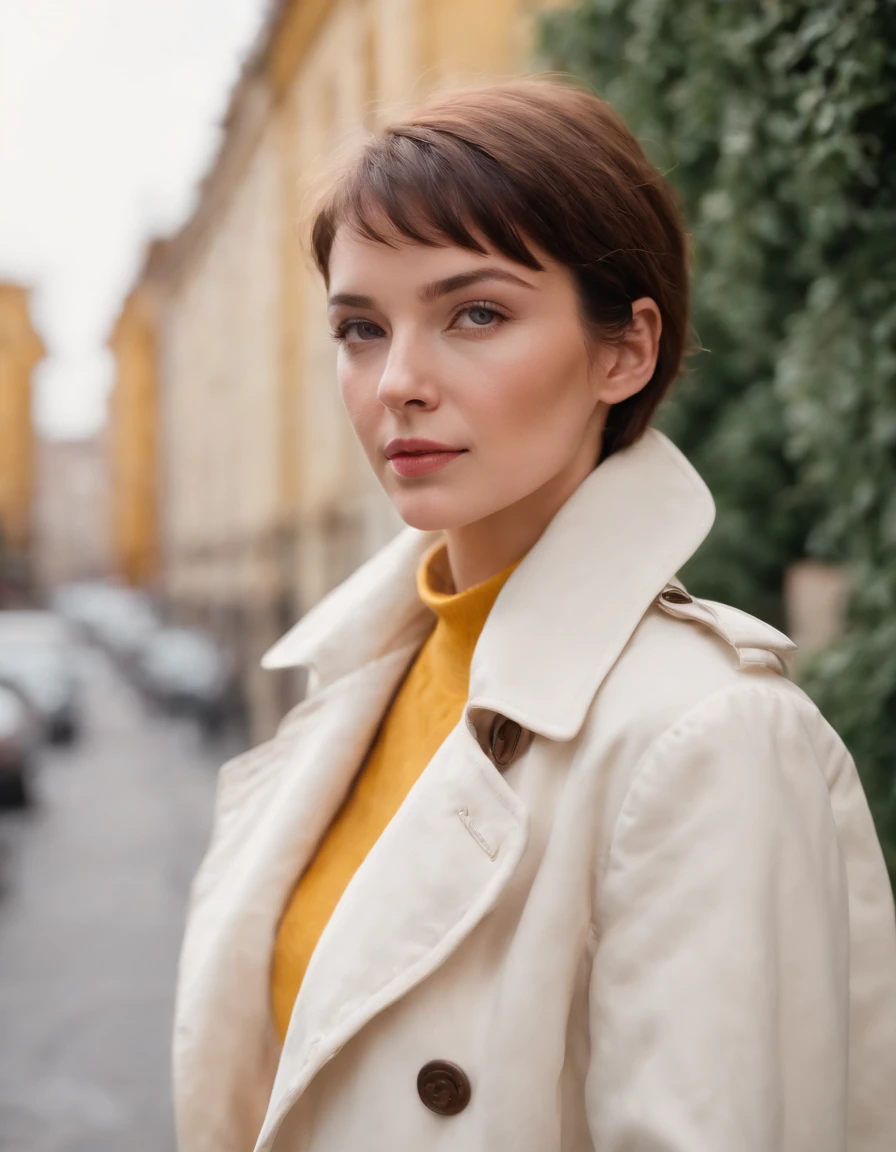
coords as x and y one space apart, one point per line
479 315
356 332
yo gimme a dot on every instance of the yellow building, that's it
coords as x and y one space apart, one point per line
20 351
266 499
132 431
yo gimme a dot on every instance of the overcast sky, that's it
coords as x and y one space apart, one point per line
109 114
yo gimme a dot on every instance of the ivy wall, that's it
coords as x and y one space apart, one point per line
776 120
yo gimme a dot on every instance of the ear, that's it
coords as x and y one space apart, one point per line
630 361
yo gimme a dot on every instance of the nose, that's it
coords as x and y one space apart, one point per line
407 376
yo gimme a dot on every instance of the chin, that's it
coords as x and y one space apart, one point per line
429 515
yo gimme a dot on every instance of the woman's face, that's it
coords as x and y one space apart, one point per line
477 353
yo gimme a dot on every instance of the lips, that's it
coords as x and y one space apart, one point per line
429 452
410 464
414 446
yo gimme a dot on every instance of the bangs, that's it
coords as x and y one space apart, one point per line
425 186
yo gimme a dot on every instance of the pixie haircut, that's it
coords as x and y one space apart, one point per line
523 166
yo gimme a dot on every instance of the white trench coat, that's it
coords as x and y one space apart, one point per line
665 927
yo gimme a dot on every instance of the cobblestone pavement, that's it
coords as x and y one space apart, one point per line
93 886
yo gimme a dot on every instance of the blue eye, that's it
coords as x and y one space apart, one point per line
480 316
356 331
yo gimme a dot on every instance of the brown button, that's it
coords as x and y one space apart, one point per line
503 740
677 596
443 1087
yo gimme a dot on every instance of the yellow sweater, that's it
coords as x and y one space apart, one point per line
427 706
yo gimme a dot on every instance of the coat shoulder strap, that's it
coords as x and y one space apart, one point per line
756 643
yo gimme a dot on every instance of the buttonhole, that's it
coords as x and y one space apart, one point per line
467 821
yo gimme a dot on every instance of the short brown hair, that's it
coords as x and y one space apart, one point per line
531 162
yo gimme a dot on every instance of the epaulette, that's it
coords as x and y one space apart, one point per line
756 643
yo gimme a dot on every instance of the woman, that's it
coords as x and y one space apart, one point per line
553 857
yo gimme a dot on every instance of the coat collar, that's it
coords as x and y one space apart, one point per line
565 613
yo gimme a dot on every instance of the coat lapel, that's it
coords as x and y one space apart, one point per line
572 604
274 804
439 867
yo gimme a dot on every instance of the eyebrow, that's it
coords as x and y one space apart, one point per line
437 288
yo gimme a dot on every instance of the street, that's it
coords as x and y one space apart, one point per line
93 884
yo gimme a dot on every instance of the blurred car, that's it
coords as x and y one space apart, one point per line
79 603
187 672
121 619
39 658
18 745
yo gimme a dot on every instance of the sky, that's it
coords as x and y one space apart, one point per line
109 118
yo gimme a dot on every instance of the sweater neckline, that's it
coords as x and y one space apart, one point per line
461 616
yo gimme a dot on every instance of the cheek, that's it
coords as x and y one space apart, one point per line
535 385
358 398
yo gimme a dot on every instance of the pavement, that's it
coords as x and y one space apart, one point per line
94 880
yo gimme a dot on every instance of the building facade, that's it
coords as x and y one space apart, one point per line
220 390
20 351
265 499
133 431
72 538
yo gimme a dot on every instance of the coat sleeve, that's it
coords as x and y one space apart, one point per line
720 989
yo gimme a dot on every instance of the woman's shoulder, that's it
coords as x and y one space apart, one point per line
704 702
685 652
702 683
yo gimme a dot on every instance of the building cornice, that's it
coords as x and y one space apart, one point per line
268 71
242 129
292 26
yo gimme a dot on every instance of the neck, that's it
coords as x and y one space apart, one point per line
479 550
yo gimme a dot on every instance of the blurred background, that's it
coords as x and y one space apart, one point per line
179 482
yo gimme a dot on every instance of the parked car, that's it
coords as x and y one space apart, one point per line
19 735
186 671
128 622
121 619
79 603
39 658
